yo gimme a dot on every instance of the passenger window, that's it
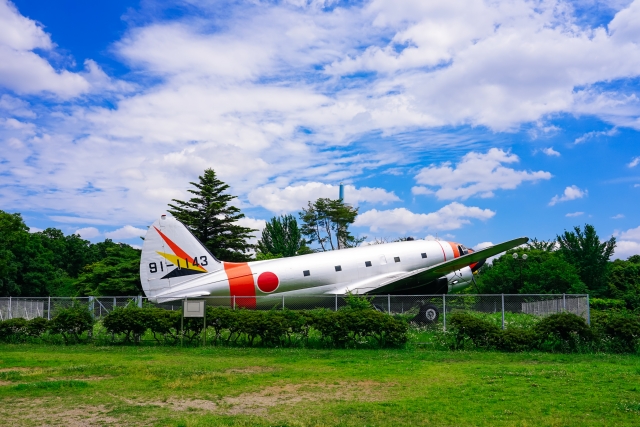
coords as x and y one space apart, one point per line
338 268
306 273
396 259
424 255
367 263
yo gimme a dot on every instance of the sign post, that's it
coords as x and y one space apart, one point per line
196 308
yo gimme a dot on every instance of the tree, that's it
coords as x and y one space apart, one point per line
327 221
26 265
210 217
583 249
543 272
118 273
624 281
282 237
543 245
13 234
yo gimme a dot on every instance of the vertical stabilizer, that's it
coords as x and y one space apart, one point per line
171 255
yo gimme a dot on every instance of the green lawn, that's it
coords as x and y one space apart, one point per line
87 385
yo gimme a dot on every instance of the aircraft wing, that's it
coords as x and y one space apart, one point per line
392 282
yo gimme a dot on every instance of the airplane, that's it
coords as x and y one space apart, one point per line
175 265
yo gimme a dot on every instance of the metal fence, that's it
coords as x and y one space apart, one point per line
408 305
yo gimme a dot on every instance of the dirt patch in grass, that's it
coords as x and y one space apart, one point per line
45 412
16 369
257 403
250 370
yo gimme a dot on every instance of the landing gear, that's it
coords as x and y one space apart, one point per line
427 315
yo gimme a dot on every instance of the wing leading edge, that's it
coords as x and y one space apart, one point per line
389 283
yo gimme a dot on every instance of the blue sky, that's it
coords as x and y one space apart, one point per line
473 121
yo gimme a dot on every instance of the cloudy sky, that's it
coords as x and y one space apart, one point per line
476 121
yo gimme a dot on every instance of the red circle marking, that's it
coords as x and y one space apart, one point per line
268 282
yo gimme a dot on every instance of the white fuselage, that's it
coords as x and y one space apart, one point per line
324 273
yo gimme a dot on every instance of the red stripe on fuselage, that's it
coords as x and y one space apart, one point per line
443 253
456 252
241 284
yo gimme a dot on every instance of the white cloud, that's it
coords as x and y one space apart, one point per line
126 232
294 197
256 224
79 220
618 216
16 107
570 193
627 243
549 151
595 134
88 232
401 220
634 162
24 69
574 214
476 174
631 234
35 230
262 98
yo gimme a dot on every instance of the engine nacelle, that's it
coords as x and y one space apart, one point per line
459 279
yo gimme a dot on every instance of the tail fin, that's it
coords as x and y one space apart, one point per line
172 255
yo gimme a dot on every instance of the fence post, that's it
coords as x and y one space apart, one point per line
139 301
588 311
444 312
283 302
564 302
10 312
502 311
389 304
336 302
49 309
184 303
114 303
234 302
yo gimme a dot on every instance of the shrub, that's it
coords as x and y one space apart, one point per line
563 331
72 322
165 323
516 340
607 304
469 328
127 320
624 331
36 326
12 330
352 327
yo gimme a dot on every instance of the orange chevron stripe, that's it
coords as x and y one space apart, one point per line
177 250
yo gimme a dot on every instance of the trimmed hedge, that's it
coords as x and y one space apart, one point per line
347 327
561 332
357 325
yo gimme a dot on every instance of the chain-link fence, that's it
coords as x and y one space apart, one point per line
420 308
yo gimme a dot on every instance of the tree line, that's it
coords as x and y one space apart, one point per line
51 263
576 261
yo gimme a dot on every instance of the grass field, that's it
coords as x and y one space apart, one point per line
87 385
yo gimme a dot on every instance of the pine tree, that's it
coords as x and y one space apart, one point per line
210 217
